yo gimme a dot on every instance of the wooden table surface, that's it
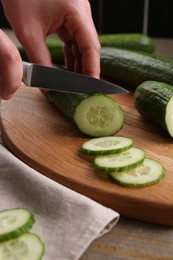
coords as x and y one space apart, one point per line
131 239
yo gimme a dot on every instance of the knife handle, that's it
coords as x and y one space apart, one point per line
26 69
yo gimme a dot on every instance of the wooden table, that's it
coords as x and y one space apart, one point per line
131 239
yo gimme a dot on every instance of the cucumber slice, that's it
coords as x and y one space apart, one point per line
106 145
148 173
120 162
99 115
15 222
26 247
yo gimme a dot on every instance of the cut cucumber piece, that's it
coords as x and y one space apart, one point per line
99 115
120 162
95 115
148 173
15 222
106 145
154 101
26 247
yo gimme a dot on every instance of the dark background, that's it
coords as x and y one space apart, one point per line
126 16
121 16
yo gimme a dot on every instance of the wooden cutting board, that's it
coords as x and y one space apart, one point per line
38 134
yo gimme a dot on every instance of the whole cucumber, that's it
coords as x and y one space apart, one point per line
154 101
129 41
133 67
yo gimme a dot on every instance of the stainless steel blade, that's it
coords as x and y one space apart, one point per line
66 81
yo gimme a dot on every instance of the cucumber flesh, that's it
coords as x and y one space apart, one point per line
99 115
106 145
148 173
26 247
15 222
120 162
169 117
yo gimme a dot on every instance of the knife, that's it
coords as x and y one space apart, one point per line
58 79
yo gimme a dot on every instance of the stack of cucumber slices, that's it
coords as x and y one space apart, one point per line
127 165
16 242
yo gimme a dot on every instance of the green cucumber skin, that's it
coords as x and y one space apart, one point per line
21 230
133 68
138 185
83 150
133 185
133 41
110 169
118 169
68 104
151 99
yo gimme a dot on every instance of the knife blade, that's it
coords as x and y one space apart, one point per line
58 79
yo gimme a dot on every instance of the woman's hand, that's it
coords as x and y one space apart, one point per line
32 21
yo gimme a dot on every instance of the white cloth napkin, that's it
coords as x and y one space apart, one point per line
66 221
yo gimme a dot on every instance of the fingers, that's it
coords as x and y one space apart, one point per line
78 66
81 41
68 56
89 47
83 58
73 22
29 22
83 55
11 70
35 46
